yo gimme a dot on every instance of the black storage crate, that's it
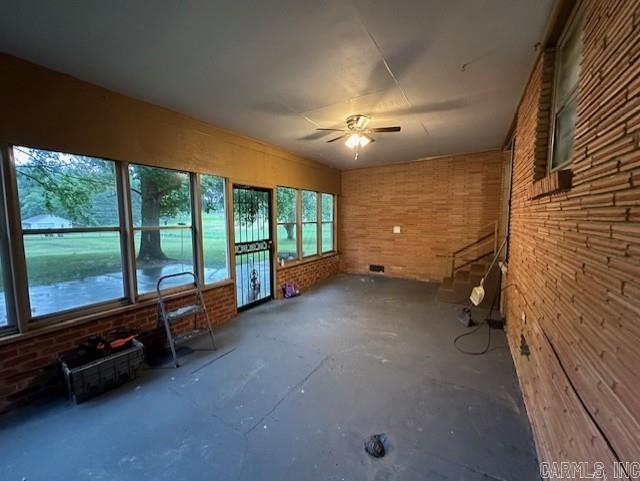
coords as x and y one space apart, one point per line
96 377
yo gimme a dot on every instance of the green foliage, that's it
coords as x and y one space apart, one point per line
168 188
212 188
327 207
250 206
286 204
77 187
309 206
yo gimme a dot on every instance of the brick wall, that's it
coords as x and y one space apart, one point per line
574 261
29 367
440 206
307 274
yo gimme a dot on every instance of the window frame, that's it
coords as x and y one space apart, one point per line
13 325
317 253
25 320
19 318
196 242
575 21
332 222
296 224
199 254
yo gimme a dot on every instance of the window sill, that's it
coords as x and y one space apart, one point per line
306 260
49 327
553 183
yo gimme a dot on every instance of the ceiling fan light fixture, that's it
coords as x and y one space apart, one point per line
364 140
353 141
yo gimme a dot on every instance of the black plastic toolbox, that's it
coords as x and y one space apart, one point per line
96 377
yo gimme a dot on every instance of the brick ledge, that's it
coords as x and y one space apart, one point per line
554 182
289 265
49 327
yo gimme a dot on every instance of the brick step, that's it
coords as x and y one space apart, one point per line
461 276
479 268
458 289
447 284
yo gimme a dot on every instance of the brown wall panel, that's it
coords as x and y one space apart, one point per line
47 109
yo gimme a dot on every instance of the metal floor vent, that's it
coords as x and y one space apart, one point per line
376 268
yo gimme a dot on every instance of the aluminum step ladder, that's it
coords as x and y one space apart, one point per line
169 317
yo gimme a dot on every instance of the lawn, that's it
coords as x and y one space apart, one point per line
56 259
75 256
287 248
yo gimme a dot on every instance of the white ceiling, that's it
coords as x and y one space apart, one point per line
277 69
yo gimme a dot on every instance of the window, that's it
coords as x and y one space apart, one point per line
309 223
214 228
6 320
327 223
73 244
70 229
567 73
163 235
287 223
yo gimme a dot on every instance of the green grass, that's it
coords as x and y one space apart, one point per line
288 247
75 256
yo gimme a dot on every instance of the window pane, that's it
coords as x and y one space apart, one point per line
58 190
327 236
569 57
287 242
3 300
214 228
309 239
286 205
563 135
309 206
327 207
67 271
159 197
172 253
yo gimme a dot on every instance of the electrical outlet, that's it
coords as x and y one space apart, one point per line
396 229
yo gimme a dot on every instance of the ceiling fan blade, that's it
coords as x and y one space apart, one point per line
332 130
386 129
337 138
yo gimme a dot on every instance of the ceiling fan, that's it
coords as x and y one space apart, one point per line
357 133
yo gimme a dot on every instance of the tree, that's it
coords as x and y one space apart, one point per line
309 206
212 189
286 202
66 185
163 193
77 186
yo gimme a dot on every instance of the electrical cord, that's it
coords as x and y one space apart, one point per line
485 321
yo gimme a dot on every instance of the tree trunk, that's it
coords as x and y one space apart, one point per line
290 230
150 246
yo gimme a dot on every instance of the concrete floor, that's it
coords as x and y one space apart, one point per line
291 394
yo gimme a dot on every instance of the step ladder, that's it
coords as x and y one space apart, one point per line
169 317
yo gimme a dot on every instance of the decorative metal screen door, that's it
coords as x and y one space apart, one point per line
253 245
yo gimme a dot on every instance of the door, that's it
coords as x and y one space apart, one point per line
253 245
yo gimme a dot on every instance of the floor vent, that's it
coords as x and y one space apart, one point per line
376 268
